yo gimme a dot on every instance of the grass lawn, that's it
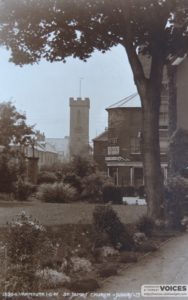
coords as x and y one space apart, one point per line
57 214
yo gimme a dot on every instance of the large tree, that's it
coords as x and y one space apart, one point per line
56 29
13 127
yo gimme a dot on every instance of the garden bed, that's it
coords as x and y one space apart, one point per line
76 239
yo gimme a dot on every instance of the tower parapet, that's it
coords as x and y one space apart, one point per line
79 102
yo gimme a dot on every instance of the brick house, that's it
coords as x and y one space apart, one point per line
118 150
100 144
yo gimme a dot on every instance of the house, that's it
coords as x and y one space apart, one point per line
181 86
100 144
118 150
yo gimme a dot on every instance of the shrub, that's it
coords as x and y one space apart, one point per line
176 200
46 177
23 189
56 193
73 180
145 225
128 191
51 278
26 243
141 191
111 193
82 166
92 186
105 220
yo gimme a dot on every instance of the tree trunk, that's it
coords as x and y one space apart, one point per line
148 83
153 177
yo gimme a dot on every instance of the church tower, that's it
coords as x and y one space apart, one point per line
79 126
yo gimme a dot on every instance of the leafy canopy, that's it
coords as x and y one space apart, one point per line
13 127
56 29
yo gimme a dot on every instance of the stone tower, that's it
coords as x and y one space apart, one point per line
79 126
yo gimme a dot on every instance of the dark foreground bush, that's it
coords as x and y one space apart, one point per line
176 201
141 191
145 225
56 193
111 193
107 223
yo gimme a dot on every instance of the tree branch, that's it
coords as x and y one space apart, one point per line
139 77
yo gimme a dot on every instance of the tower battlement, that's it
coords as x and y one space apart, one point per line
79 102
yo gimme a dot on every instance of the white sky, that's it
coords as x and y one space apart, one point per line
42 90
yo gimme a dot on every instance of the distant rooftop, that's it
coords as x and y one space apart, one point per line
130 101
60 144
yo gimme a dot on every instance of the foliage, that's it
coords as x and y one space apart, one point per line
92 186
8 173
135 17
178 150
82 166
176 200
51 278
111 193
145 225
141 191
72 172
81 264
58 192
46 177
23 189
26 241
57 167
13 128
74 180
128 191
106 222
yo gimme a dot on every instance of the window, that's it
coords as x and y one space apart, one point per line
135 145
114 150
113 141
163 119
163 145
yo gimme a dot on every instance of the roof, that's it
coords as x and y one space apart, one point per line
177 60
45 147
60 144
127 102
102 137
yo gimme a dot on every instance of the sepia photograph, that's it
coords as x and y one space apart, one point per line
93 149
